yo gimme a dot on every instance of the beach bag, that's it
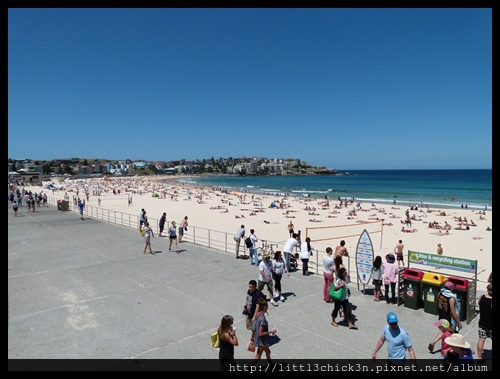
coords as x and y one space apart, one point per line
251 347
214 340
143 233
338 294
248 242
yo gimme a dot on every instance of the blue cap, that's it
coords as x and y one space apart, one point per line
392 318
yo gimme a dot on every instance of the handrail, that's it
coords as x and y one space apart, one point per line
214 239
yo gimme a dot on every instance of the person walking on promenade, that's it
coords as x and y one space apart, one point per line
183 226
398 342
390 278
460 354
254 258
445 331
278 269
81 207
141 219
238 237
377 275
288 250
341 250
163 219
485 324
261 333
172 235
340 282
148 233
15 207
327 274
449 306
251 307
399 252
265 277
228 340
305 252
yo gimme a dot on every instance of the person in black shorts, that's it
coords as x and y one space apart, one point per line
399 252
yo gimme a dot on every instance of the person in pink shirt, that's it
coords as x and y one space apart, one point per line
390 278
445 331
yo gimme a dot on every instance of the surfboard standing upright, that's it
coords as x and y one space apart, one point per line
364 258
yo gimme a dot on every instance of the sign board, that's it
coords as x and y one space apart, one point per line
443 261
364 257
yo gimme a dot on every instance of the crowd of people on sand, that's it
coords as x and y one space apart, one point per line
266 289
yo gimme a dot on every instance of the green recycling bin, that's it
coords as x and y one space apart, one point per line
412 284
431 285
461 288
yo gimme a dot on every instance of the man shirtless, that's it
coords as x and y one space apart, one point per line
341 250
399 252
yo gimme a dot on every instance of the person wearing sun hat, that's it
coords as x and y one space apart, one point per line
445 331
449 306
265 276
460 350
398 342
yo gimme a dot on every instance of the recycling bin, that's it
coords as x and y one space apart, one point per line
63 205
412 284
461 290
431 285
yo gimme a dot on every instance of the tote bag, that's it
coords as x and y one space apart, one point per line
338 294
214 340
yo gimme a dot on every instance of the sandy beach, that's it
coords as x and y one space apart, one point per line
326 223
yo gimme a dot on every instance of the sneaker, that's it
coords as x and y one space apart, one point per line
276 294
282 298
274 303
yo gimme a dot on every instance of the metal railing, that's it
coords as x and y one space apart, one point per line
214 239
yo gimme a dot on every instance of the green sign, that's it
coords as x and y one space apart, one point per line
443 261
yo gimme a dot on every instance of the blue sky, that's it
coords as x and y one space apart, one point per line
342 88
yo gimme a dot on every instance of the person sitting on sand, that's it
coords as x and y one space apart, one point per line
314 220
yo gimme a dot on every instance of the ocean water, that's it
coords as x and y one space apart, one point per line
435 188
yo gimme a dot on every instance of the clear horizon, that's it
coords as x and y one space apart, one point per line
364 88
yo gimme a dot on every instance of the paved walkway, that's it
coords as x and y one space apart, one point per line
83 289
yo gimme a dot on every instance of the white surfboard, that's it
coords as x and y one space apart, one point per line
364 257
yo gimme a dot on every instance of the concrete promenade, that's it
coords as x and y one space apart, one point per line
83 289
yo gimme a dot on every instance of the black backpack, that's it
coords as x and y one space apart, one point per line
248 242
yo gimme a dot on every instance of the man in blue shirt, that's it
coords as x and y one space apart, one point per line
398 341
81 206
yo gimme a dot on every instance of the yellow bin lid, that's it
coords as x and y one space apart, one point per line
433 278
